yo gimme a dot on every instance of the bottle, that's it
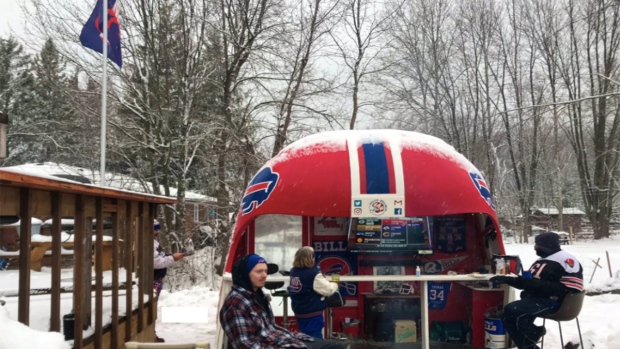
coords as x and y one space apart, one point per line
318 267
418 272
499 266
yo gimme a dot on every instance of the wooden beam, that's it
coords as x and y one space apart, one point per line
128 267
41 203
9 197
20 180
141 270
109 208
56 251
25 229
87 269
116 227
99 273
78 276
150 249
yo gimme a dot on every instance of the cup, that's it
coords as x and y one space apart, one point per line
526 275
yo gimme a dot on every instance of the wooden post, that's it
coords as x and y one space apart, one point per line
25 229
608 263
99 273
128 268
140 257
115 265
595 266
78 275
56 252
149 269
570 234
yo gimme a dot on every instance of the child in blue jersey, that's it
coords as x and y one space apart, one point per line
309 290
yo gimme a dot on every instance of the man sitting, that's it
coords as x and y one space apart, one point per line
552 276
246 315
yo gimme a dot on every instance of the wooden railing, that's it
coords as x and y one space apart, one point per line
132 216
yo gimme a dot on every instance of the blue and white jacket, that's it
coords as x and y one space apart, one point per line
309 290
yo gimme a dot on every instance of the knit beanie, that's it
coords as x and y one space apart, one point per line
548 244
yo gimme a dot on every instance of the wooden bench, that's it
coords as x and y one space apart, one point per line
38 250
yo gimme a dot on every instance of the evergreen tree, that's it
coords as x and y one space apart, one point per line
16 98
55 116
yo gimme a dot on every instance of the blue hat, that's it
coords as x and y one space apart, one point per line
156 226
254 259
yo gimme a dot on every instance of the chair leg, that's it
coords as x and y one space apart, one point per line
542 342
561 338
579 330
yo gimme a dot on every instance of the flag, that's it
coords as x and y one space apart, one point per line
92 33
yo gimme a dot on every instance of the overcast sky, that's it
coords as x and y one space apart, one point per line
11 18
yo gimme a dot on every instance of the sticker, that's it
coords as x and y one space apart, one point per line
259 190
483 188
377 207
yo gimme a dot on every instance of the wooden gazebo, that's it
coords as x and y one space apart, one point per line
131 215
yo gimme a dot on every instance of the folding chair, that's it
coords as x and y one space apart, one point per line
570 309
138 345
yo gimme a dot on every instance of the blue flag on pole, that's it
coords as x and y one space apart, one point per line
92 33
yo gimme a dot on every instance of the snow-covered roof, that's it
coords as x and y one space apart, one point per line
113 180
566 211
337 140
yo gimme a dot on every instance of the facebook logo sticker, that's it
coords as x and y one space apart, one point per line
398 211
357 203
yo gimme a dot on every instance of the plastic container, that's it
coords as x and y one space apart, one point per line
68 323
418 272
494 334
500 266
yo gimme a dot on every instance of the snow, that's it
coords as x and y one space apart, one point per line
17 335
598 319
117 181
334 141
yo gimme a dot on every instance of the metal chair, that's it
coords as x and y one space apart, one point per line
569 310
137 345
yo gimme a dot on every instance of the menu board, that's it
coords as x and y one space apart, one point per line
389 234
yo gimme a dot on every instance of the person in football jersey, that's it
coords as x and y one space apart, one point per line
309 290
555 274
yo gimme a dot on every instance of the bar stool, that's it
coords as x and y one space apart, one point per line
569 310
330 316
284 294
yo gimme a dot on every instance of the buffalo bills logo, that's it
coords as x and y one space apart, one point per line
482 187
259 189
570 262
333 264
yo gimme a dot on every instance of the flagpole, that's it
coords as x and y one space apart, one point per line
104 90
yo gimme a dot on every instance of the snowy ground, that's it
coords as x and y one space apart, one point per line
599 318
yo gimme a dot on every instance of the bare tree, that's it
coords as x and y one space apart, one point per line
593 30
314 20
364 23
243 27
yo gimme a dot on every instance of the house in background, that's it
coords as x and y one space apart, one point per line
548 218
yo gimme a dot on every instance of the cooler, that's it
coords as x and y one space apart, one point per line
494 334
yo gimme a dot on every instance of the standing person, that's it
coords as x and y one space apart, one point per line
555 274
309 290
246 315
161 262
